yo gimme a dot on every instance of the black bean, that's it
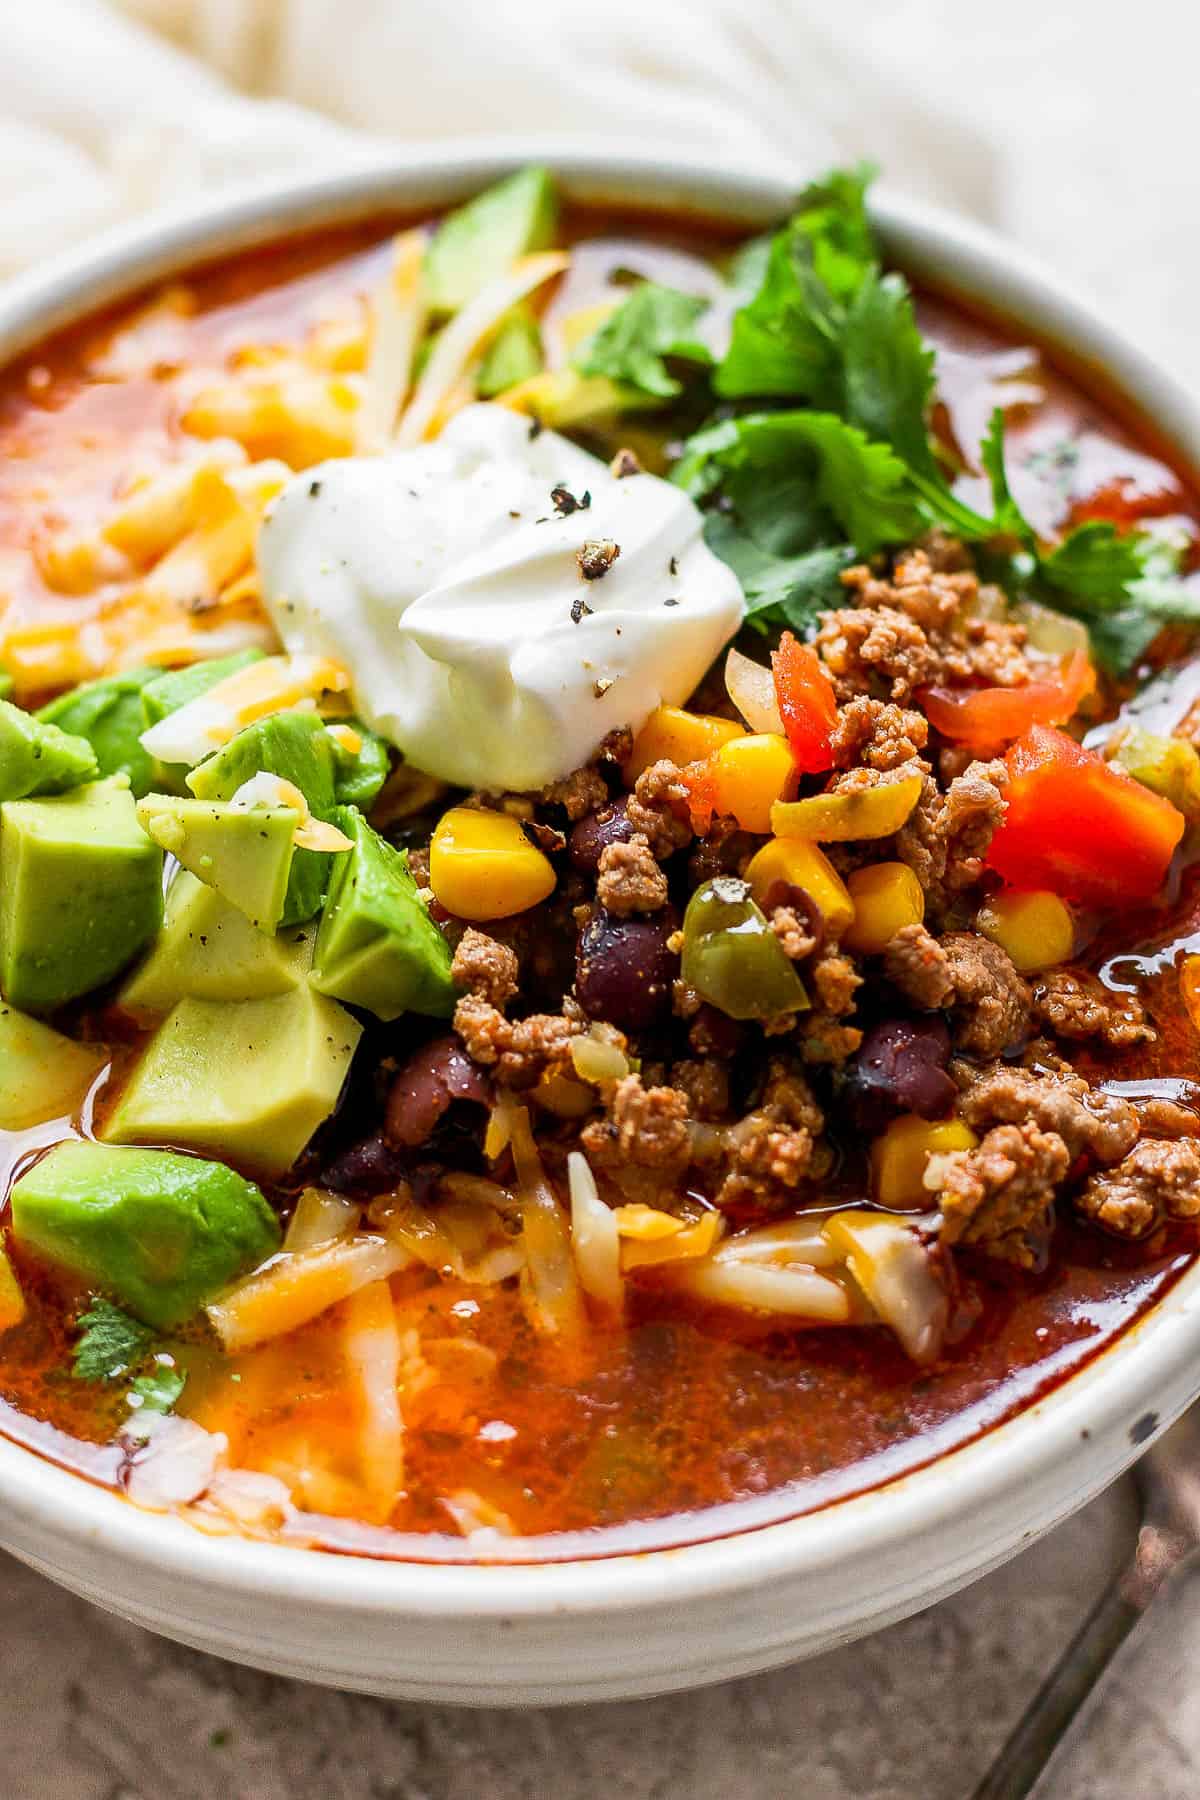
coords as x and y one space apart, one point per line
624 970
439 1073
369 1167
901 1067
592 835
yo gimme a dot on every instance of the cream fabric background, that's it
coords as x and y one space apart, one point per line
1060 124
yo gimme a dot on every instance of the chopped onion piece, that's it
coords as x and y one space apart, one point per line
290 1290
398 314
594 1236
1051 633
251 1499
894 1271
751 687
790 1242
793 1292
321 1218
173 1462
597 1057
476 1517
464 336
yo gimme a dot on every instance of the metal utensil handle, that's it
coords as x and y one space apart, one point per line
1041 1728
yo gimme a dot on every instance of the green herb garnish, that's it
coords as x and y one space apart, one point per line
631 345
112 1346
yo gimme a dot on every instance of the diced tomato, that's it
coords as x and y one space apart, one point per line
993 715
1077 826
1124 502
806 704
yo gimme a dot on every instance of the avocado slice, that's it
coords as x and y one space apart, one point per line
173 689
515 354
163 1234
377 946
108 714
36 758
359 774
479 241
43 1075
251 1080
243 852
208 950
80 893
296 746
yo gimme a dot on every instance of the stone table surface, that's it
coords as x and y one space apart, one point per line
91 1709
94 1709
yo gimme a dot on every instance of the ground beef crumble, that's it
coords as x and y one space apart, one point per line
1159 1179
486 969
877 734
915 963
1073 1004
990 1004
1102 1126
646 1128
520 1051
998 1196
630 880
771 1149
658 808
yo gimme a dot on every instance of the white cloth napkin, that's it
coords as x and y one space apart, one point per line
102 118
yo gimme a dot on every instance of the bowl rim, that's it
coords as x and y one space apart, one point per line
1121 1385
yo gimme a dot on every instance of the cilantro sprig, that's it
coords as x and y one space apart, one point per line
823 450
114 1347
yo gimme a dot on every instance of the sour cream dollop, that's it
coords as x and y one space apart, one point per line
447 581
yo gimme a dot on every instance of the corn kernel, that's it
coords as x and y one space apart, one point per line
482 866
748 775
872 812
799 864
678 736
12 1301
887 896
898 1159
1036 929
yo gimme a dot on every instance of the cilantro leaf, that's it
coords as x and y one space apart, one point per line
831 471
777 346
1008 519
158 1391
887 370
1095 566
779 590
111 1344
630 346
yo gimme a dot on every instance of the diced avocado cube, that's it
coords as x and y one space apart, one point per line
80 893
296 746
208 950
7 684
482 239
43 1075
174 688
378 947
160 1233
108 714
169 691
514 355
243 852
251 1081
359 774
36 758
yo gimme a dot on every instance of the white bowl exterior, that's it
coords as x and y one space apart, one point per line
668 1619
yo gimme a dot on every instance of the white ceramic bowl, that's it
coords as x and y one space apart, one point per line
664 1619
